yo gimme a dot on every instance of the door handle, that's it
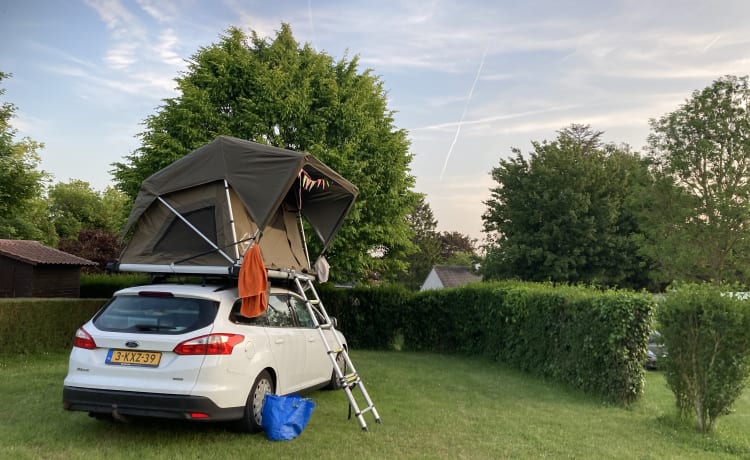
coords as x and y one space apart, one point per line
279 340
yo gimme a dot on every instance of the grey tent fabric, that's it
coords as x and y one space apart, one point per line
264 191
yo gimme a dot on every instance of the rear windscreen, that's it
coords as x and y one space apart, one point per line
160 315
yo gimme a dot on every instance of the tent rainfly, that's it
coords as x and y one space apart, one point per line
201 213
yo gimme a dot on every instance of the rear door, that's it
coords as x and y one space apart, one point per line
287 344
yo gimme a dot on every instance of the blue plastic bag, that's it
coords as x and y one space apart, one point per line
284 417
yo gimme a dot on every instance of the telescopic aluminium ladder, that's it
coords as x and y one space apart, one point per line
347 381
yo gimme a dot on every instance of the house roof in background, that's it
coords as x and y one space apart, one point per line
35 253
455 275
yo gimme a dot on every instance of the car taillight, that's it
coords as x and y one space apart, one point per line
155 294
212 344
84 340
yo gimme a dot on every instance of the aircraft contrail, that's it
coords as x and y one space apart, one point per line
466 107
310 20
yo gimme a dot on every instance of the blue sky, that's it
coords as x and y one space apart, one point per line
468 80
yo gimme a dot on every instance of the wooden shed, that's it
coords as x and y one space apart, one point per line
31 269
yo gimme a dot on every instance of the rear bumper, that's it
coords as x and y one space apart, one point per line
146 404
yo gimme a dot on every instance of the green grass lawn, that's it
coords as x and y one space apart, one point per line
432 406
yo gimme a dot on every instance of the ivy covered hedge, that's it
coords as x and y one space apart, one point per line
593 340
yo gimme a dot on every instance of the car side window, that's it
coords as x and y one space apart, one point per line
276 315
278 312
303 314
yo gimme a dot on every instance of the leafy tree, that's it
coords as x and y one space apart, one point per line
280 93
457 248
75 206
21 182
701 153
426 240
567 214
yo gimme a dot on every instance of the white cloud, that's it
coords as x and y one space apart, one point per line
122 55
114 14
265 27
161 10
168 41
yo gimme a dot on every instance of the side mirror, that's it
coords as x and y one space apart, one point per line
334 321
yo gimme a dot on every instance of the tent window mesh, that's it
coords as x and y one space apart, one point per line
183 239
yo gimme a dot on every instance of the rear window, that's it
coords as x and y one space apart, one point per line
159 315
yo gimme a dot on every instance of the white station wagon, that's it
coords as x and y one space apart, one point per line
185 352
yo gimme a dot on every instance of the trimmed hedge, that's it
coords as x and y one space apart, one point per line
371 317
593 340
42 325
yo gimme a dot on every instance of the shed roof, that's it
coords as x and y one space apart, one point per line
455 275
35 253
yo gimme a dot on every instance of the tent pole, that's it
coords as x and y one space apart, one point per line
304 238
231 222
192 227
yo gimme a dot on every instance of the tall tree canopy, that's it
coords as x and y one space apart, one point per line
701 153
565 214
21 182
280 93
426 241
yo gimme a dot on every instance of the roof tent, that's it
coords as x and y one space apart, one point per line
201 213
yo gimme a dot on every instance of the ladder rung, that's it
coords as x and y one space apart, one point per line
351 378
326 326
314 301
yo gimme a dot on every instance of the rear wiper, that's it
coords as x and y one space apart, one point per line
154 327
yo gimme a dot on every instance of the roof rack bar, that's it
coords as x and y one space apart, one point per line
288 274
218 270
223 270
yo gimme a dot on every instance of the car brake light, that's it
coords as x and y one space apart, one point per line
84 340
212 344
155 294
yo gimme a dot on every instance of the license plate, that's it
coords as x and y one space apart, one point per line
133 358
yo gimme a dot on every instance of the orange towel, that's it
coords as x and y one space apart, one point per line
253 283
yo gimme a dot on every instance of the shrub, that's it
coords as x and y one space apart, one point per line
707 337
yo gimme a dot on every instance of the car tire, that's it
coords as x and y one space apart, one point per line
252 418
335 384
